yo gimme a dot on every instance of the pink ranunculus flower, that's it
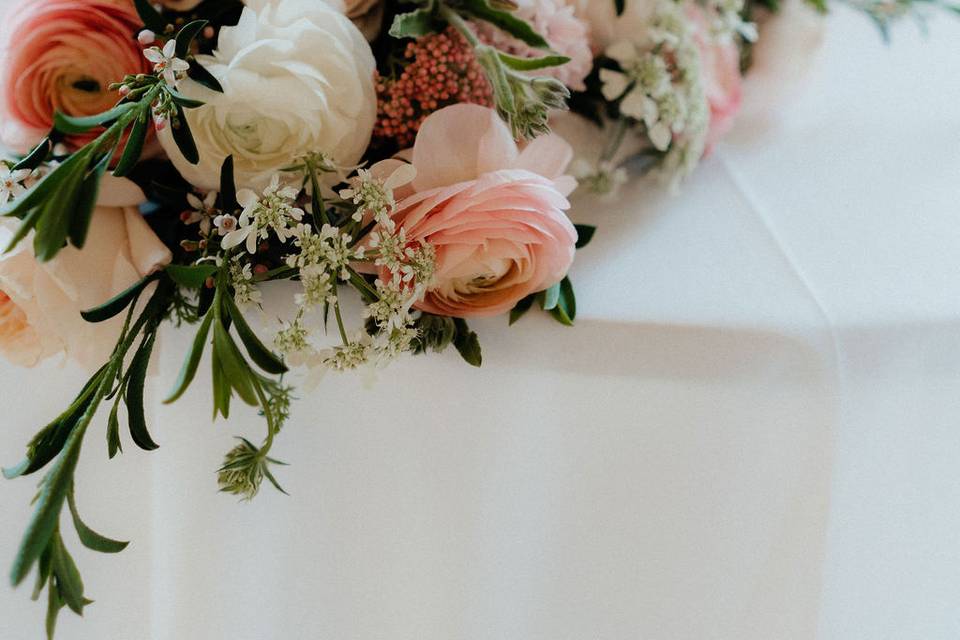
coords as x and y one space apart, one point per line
720 74
62 55
40 303
494 213
566 33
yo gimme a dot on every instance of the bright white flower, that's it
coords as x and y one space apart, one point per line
292 341
297 78
11 183
166 63
225 223
317 287
374 195
273 211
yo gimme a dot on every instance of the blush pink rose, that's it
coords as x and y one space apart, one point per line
40 303
62 55
720 74
494 213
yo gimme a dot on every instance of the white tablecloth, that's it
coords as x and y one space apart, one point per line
753 432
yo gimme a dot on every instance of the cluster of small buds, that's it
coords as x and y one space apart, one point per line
245 291
292 340
441 70
329 248
355 353
659 84
243 471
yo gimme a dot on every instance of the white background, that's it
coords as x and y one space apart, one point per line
753 432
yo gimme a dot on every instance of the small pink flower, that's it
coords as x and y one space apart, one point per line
493 213
146 37
166 63
62 55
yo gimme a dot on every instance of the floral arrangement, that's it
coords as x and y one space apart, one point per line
167 162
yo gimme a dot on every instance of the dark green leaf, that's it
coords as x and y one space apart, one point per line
221 388
566 310
36 157
259 353
228 187
199 73
114 446
55 218
134 394
69 582
54 604
235 369
467 343
584 234
82 124
551 297
43 190
532 64
505 21
151 18
522 307
413 24
189 368
119 302
49 503
183 137
82 213
191 277
273 481
90 538
186 36
184 101
43 571
134 146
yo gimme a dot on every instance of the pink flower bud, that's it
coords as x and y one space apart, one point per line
159 122
124 90
208 32
260 269
146 37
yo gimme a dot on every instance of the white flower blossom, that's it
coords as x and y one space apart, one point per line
165 62
273 211
204 212
11 183
245 291
374 195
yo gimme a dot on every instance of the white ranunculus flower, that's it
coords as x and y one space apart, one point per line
297 77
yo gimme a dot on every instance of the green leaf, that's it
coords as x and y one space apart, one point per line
192 362
36 157
522 307
119 302
40 192
467 343
90 538
413 24
192 276
505 21
551 297
54 604
151 17
259 353
199 73
532 64
53 224
228 187
114 446
235 369
183 137
221 388
43 571
186 36
584 234
566 310
134 394
82 124
184 101
134 146
82 213
49 503
69 583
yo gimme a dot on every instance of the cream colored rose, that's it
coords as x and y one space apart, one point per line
40 303
297 78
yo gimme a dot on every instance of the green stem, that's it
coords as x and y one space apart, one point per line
336 311
361 285
454 20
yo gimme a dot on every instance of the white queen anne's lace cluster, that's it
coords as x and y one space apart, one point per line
659 84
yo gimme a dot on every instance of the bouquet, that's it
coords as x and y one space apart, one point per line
168 162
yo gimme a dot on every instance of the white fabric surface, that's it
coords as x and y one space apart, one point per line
753 432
